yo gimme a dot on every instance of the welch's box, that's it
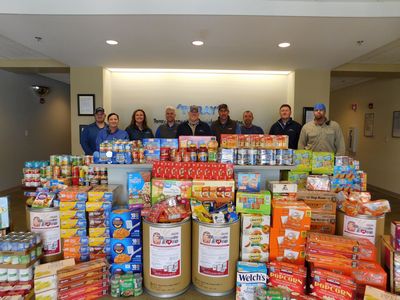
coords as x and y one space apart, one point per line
251 280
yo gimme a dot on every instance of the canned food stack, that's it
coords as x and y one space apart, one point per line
95 176
73 222
114 152
126 285
19 252
34 173
126 250
151 149
139 190
99 205
169 149
254 149
45 281
88 280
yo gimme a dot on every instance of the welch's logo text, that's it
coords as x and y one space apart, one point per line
252 277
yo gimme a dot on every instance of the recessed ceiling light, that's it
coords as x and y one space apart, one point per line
284 45
197 43
112 42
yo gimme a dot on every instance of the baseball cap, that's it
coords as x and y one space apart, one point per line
222 106
99 109
319 106
194 109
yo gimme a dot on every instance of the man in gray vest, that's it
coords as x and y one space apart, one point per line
169 128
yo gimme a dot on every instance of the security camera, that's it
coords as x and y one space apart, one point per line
41 91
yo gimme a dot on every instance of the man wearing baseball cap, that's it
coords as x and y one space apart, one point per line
89 134
193 126
224 124
322 134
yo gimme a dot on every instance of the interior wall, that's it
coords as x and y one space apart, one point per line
30 130
262 94
379 155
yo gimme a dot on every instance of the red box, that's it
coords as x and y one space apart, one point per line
326 284
287 276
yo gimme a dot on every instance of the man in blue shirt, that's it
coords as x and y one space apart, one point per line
89 134
170 128
248 127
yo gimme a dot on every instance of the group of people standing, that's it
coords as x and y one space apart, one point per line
319 134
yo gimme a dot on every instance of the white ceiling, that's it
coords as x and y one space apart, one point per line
231 42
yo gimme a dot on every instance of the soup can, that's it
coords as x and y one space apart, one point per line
252 155
279 157
242 157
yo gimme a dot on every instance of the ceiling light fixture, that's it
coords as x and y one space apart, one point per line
112 42
197 43
284 45
197 71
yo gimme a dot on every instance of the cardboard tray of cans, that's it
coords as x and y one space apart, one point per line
27 251
21 266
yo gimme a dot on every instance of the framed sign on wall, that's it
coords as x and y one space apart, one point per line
369 125
308 114
86 104
396 124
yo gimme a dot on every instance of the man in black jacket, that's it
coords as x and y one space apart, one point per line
287 126
224 124
193 126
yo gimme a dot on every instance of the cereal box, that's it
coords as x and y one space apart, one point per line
258 203
302 160
125 250
251 280
322 163
287 276
218 191
103 193
330 285
125 224
291 214
164 188
139 188
248 182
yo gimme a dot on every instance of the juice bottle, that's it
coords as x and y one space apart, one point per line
213 150
202 154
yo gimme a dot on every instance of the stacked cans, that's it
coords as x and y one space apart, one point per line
252 157
126 285
13 246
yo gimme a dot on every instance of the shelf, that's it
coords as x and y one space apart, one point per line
149 166
21 252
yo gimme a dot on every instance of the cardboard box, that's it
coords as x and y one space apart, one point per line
282 187
316 195
302 160
331 285
73 223
169 143
248 182
98 206
321 206
72 205
395 235
139 188
372 293
186 141
46 275
300 178
74 193
218 191
103 193
47 295
322 163
323 223
287 276
287 237
250 278
164 188
229 141
291 214
76 232
259 203
251 222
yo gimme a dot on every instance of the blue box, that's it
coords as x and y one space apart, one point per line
248 182
125 224
121 248
169 143
132 267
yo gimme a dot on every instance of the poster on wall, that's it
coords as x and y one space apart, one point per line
308 114
396 124
369 125
4 213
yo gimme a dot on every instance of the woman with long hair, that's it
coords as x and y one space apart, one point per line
138 129
111 132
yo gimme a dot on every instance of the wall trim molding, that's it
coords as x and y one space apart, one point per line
383 191
10 190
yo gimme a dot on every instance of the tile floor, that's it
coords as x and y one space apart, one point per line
18 217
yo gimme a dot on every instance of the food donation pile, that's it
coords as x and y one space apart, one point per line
287 247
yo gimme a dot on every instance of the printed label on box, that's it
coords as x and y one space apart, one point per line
214 251
165 252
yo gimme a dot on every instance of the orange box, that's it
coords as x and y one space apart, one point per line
323 206
323 223
294 255
328 241
287 276
329 285
229 141
370 273
367 250
287 237
291 214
